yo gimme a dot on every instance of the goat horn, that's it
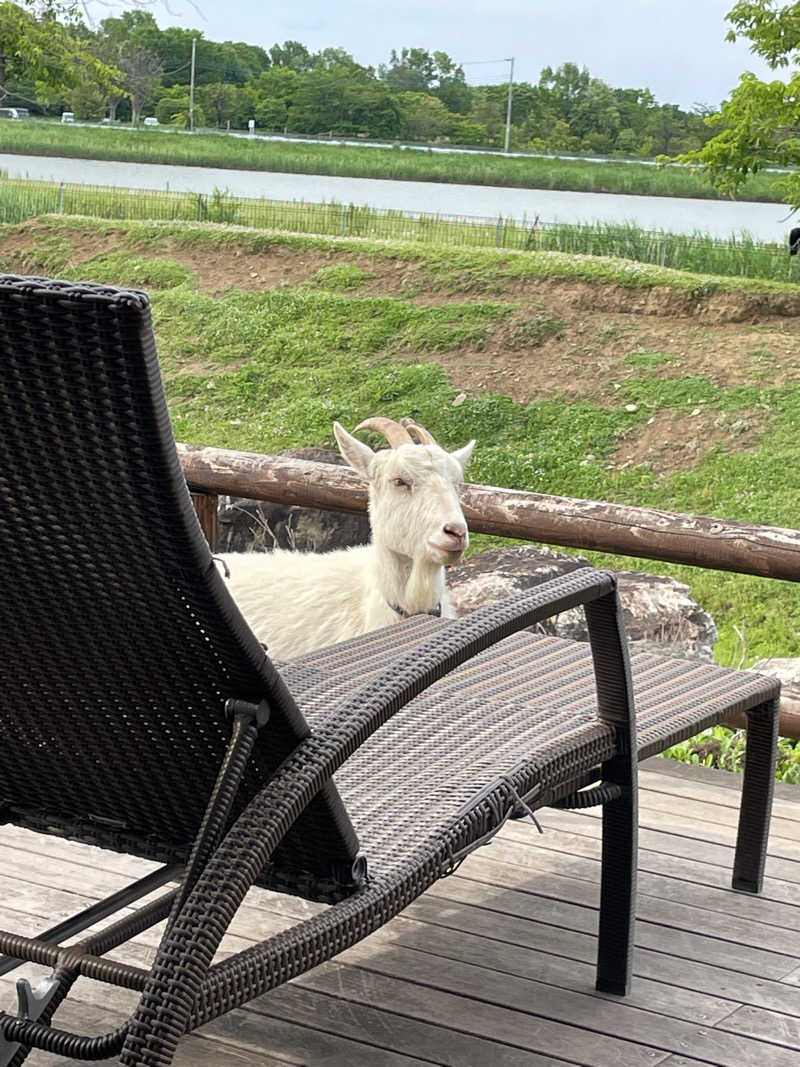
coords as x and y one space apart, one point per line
394 433
422 436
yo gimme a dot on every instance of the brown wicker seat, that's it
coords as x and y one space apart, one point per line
138 711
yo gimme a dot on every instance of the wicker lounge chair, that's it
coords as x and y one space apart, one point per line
138 712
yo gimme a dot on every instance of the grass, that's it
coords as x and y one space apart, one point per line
739 256
431 268
266 370
39 137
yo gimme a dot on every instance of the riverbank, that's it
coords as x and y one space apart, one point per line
446 202
39 137
738 256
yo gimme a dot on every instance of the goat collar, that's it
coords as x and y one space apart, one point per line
436 611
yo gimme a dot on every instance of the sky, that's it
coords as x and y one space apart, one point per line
676 48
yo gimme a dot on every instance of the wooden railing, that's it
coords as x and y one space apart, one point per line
646 533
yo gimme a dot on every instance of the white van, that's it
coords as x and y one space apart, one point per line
151 120
67 116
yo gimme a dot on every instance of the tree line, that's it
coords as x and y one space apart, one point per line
130 68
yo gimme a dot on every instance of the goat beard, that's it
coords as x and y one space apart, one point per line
424 586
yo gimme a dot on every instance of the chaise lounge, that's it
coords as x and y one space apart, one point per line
138 712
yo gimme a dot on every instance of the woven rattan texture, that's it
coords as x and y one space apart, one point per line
544 686
118 643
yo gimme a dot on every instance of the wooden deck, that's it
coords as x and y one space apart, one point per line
493 967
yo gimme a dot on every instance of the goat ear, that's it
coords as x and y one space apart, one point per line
357 454
463 455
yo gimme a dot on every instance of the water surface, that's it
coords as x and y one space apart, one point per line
721 218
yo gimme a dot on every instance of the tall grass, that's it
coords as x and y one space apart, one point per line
38 137
738 256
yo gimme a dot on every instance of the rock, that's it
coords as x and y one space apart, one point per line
786 669
259 526
660 615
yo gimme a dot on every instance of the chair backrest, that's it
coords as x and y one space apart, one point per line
119 643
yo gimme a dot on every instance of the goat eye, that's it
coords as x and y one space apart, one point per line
401 483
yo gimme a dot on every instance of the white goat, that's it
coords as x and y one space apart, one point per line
300 601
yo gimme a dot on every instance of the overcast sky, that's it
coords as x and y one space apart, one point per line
676 48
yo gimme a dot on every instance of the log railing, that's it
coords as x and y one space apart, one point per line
646 533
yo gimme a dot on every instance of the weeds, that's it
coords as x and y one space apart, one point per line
738 257
724 748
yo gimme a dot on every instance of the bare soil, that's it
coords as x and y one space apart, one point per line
595 337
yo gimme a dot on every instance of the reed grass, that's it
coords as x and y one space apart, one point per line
739 256
40 137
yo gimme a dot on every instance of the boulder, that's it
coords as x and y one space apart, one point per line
259 526
786 669
660 615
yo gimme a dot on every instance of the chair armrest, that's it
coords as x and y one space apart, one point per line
356 718
410 673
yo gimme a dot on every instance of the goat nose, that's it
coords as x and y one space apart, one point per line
456 530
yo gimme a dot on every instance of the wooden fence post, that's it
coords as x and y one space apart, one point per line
206 505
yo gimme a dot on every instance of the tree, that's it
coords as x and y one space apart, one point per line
272 94
291 54
566 87
759 121
173 108
219 101
422 117
325 101
38 49
88 102
130 43
416 70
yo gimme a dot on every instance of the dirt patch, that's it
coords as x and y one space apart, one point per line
671 442
24 251
608 334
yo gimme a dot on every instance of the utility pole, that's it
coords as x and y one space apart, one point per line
508 108
191 90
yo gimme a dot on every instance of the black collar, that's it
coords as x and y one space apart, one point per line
436 611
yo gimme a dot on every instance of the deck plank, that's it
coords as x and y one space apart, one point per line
494 965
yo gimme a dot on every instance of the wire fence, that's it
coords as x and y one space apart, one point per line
738 255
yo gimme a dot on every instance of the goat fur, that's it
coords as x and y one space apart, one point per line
296 602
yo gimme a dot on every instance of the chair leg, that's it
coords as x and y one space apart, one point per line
37 1004
618 880
756 805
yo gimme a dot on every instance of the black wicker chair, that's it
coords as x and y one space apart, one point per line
138 711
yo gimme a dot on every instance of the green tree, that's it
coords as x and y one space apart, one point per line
417 70
759 122
130 42
291 54
667 127
595 113
326 101
173 108
566 87
422 117
219 101
561 138
39 50
271 95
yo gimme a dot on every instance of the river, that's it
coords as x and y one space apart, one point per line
721 218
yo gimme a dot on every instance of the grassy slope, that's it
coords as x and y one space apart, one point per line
267 369
213 150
